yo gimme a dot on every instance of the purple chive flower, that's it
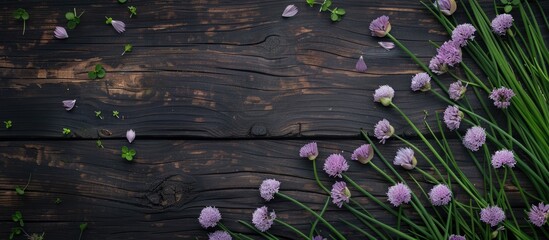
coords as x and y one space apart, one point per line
399 194
209 216
318 237
268 188
383 130
361 65
474 138
538 214
421 82
405 158
463 33
262 219
387 45
456 237
447 7
502 97
501 23
452 117
457 90
219 235
380 26
340 193
60 33
363 154
449 53
335 164
440 195
492 215
290 11
384 94
119 26
437 66
503 157
69 104
310 151
130 135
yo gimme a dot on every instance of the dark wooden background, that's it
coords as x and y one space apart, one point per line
222 94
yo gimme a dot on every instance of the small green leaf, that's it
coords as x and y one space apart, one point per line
83 226
334 17
508 8
92 75
19 191
132 152
515 2
98 67
325 5
128 48
57 201
25 15
69 16
504 1
339 11
71 24
311 2
122 1
101 73
125 149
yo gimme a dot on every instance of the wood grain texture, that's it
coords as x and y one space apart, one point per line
160 194
210 69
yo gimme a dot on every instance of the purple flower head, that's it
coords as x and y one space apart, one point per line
268 188
440 195
449 53
457 90
340 193
474 138
310 151
119 26
437 66
387 45
452 117
405 158
421 82
399 194
361 65
538 214
463 33
130 135
380 26
209 216
60 33
219 235
456 237
503 157
363 154
492 215
384 94
318 237
501 23
69 104
447 7
290 11
383 130
502 97
335 164
262 219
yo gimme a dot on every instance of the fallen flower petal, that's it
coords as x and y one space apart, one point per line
119 26
361 65
290 11
69 104
60 33
130 135
387 45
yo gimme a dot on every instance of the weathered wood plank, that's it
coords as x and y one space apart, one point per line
160 194
210 69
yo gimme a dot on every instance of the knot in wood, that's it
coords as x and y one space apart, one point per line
170 191
258 130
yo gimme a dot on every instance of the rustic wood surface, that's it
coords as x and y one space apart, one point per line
222 94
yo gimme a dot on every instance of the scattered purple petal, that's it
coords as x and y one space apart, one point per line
130 135
69 104
60 33
290 11
387 45
361 65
